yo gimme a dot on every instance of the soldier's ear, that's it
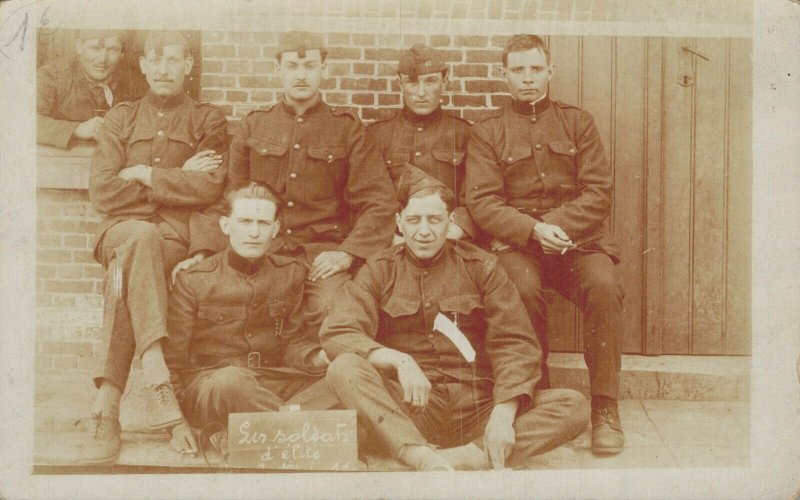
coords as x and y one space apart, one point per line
142 64
276 227
500 72
397 220
551 71
452 217
187 65
224 224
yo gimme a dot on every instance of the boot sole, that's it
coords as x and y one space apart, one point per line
99 461
165 425
607 451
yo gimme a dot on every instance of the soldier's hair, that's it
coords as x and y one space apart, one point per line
253 191
323 53
446 195
101 35
521 43
415 77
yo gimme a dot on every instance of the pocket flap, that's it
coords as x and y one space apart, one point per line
397 157
279 308
324 228
221 314
398 306
329 154
462 304
563 147
451 157
513 154
264 147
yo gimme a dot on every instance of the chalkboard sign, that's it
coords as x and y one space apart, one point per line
300 440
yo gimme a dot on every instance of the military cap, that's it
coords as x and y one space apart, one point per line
300 42
157 40
413 180
420 60
102 35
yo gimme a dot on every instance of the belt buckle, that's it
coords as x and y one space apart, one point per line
254 360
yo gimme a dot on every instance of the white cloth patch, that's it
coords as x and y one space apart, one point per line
443 325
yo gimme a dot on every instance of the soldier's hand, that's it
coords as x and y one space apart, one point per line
454 232
498 246
329 263
186 264
416 386
499 436
139 173
202 162
183 440
552 238
88 129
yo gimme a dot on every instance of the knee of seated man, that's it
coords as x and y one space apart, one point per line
231 381
342 369
141 232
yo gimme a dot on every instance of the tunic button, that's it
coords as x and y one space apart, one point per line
418 153
455 161
533 119
430 335
160 113
425 273
220 317
249 335
542 174
288 231
264 151
330 158
388 162
156 160
572 150
299 119
290 204
161 133
293 175
419 129
538 146
427 305
510 158
296 146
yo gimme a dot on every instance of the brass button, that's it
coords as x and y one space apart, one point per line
330 158
299 119
510 158
156 160
538 146
288 231
419 129
388 162
220 317
161 133
533 119
572 150
264 151
249 335
418 153
427 305
296 146
455 161
293 175
160 113
425 272
290 204
542 174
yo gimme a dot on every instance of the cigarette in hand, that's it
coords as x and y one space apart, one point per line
564 250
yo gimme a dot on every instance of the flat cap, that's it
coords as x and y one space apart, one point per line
413 180
158 39
102 35
420 60
300 42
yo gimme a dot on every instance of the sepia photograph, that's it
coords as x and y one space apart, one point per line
352 237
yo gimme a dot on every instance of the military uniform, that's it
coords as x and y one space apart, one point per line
393 301
67 96
545 162
145 230
239 341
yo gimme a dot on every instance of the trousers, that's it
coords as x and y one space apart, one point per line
456 414
137 257
217 392
591 281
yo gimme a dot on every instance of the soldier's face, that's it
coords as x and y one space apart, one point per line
423 223
301 76
99 57
250 226
166 71
424 95
528 74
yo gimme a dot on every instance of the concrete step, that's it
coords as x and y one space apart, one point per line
689 378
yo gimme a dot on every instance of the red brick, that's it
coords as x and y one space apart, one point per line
499 40
209 95
42 362
471 70
382 54
70 272
363 99
263 67
389 40
237 66
236 96
259 82
217 81
410 39
248 51
364 68
213 36
394 85
471 41
484 56
363 39
219 51
240 37
213 66
499 100
51 286
387 69
76 241
261 97
48 240
62 225
83 257
87 227
344 53
49 209
338 69
335 98
328 84
98 288
440 41
93 272
472 101
52 256
485 86
82 348
63 301
388 99
75 210
338 39
362 84
452 55
65 362
266 38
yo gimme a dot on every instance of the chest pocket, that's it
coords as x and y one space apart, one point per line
400 321
266 159
325 173
278 310
452 158
466 311
519 171
222 315
561 161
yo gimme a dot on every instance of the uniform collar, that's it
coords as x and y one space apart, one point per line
427 263
289 110
159 102
535 108
423 120
242 265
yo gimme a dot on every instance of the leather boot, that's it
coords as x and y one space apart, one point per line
607 436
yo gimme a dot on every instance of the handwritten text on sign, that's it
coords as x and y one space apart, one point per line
303 440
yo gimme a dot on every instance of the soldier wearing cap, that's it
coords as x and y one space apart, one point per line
538 182
338 197
429 346
73 95
423 134
157 160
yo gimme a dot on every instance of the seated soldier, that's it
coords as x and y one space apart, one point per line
238 341
431 345
73 95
